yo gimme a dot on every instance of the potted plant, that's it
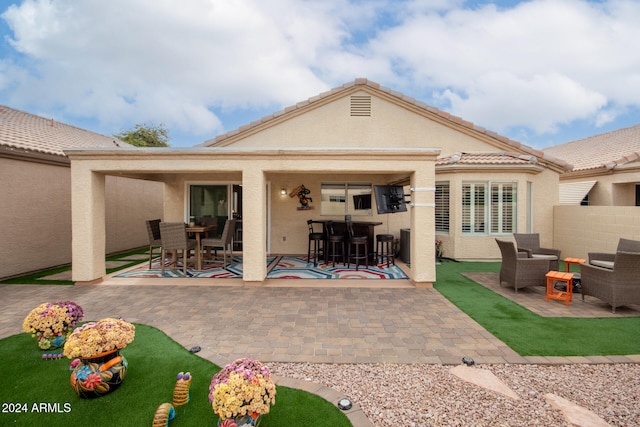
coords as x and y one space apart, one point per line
98 366
241 393
50 322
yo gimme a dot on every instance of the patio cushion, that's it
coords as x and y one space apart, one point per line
601 263
549 257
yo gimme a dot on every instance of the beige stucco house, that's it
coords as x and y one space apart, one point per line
464 184
35 212
600 195
606 169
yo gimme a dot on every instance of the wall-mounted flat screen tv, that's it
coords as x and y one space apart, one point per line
389 199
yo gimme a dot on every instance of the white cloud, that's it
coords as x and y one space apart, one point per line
540 65
118 58
502 100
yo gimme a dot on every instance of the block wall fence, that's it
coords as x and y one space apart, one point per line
578 230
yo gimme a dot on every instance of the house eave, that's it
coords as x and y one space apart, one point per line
533 169
243 153
586 173
33 156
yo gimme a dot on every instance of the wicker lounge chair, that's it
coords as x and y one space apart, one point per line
606 260
617 286
530 243
518 270
174 239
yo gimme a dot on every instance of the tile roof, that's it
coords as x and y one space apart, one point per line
497 158
376 86
607 150
30 133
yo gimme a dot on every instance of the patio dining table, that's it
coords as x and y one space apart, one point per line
199 230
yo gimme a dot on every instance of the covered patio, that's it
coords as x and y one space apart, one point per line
255 170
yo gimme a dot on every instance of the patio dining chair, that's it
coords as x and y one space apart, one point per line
153 231
224 242
518 270
174 239
530 243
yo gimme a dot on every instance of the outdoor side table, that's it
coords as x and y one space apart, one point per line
553 293
569 261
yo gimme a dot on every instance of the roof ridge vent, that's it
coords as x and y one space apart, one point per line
360 105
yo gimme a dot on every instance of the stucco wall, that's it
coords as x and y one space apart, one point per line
35 215
389 125
129 203
579 230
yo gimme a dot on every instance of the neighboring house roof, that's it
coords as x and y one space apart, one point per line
27 135
365 84
605 151
500 158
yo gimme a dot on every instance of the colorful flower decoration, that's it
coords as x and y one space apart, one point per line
91 381
95 338
243 387
50 322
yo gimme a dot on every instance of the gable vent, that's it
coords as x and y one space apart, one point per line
361 106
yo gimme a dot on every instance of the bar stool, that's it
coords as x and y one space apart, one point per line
333 240
357 242
384 249
317 239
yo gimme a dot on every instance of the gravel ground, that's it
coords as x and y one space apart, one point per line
428 395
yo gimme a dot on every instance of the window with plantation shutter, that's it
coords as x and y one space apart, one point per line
503 208
497 207
442 206
474 207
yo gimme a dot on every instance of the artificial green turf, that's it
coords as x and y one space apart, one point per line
526 332
154 361
37 277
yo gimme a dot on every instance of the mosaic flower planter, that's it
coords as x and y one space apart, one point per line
100 375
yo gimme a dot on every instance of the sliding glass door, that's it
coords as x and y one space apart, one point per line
214 204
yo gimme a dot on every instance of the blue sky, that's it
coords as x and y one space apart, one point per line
542 72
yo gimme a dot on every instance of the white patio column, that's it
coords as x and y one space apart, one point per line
423 267
254 233
87 223
174 201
